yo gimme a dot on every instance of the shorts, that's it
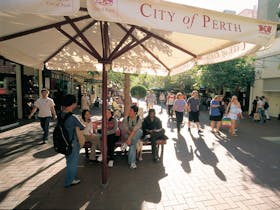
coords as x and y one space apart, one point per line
216 118
194 116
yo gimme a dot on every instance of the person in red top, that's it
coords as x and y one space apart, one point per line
169 102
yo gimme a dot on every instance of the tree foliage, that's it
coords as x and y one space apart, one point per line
230 75
138 91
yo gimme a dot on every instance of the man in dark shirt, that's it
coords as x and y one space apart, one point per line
152 129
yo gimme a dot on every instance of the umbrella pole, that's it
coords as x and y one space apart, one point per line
105 67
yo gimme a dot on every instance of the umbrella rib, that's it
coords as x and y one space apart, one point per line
122 41
151 53
129 47
86 41
70 41
75 41
41 28
165 41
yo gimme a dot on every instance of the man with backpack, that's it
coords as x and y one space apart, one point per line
70 124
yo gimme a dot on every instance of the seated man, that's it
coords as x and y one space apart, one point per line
153 131
132 129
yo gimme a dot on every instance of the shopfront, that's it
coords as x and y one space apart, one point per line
8 99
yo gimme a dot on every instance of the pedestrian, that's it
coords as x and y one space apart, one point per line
179 107
85 102
151 100
193 104
46 112
169 102
133 132
233 112
215 114
260 110
69 103
265 107
254 103
162 101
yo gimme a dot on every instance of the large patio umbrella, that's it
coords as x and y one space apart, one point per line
143 37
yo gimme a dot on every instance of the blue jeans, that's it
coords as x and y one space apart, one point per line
45 123
261 113
72 161
132 147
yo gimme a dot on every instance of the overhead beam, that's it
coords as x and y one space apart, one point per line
85 40
76 42
41 28
128 33
145 48
70 41
166 41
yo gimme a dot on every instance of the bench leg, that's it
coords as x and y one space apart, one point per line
87 153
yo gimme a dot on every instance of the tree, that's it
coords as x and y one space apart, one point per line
229 75
138 91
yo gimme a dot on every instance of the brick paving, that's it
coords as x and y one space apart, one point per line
204 171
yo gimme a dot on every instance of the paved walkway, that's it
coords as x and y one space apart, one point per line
204 171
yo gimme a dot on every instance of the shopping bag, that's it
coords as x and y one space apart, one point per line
226 122
256 116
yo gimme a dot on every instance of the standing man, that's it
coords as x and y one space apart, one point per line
71 123
133 132
193 109
46 111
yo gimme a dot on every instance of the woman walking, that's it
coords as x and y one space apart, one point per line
179 108
233 112
215 113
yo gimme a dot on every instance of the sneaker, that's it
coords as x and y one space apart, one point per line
75 181
99 159
110 163
140 158
133 166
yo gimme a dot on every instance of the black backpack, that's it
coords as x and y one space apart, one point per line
61 141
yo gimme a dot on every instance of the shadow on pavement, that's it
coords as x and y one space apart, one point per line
45 153
264 163
125 189
207 156
182 153
14 146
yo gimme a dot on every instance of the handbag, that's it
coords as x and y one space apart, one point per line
226 122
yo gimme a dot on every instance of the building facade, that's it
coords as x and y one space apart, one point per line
267 64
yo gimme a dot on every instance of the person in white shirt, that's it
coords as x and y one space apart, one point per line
46 111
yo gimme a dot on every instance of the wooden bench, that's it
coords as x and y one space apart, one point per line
159 142
119 143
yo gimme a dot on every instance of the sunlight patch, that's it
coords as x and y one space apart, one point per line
275 139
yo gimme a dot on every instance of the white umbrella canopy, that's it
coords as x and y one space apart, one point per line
135 39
